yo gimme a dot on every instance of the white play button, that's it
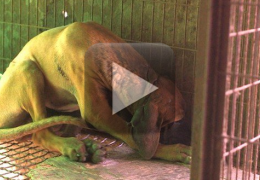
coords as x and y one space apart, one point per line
127 88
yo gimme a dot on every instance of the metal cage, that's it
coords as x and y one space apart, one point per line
224 64
241 116
228 104
172 22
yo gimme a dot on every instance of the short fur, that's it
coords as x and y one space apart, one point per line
69 68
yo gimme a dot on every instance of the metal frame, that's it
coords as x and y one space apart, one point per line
241 122
210 89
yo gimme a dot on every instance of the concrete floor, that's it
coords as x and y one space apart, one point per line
122 163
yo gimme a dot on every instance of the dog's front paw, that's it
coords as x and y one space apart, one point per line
183 154
96 153
85 150
177 153
74 149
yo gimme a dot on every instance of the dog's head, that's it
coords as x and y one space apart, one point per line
165 105
168 99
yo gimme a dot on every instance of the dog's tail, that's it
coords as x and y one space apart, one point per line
30 128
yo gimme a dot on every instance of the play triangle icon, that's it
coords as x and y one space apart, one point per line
127 88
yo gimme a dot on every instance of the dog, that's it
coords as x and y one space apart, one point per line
69 68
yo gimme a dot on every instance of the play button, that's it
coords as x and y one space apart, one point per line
127 88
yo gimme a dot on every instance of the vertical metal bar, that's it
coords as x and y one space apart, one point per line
163 23
257 146
111 15
245 172
73 7
153 4
102 10
228 84
182 70
92 12
255 159
142 20
244 66
37 10
197 25
121 19
3 43
184 52
209 98
174 22
253 95
234 97
64 10
28 20
12 31
55 13
256 87
186 22
226 111
245 167
197 165
20 15
83 5
163 20
230 58
46 14
219 40
131 19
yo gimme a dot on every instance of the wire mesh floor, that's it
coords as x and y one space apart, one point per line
27 161
18 158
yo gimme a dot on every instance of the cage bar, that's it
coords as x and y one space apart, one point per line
209 96
241 122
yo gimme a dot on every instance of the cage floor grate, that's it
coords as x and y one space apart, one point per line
18 158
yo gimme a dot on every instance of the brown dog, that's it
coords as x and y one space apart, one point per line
65 69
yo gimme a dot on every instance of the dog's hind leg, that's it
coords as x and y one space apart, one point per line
70 147
22 86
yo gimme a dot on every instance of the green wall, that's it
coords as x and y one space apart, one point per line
173 22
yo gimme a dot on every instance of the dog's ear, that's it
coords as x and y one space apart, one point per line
146 129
